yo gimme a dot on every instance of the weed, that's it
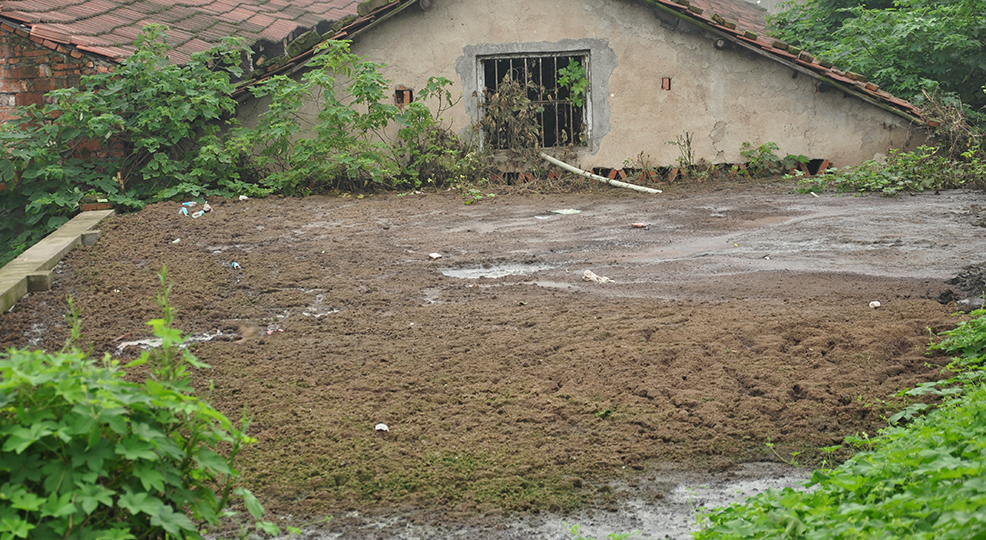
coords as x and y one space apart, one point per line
686 157
89 454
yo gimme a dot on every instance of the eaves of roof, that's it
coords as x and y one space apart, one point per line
734 21
702 13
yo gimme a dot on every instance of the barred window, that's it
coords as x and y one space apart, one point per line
557 86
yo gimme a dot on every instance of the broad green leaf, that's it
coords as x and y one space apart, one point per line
134 448
250 501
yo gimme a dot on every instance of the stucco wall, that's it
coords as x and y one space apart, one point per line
722 97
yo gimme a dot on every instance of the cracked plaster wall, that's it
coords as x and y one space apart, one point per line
722 97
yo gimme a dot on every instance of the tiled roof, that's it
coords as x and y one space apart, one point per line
108 27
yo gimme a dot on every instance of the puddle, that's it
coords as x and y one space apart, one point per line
661 506
153 343
495 271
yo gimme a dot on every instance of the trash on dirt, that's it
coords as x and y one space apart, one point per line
589 275
542 217
183 211
435 256
235 264
766 257
176 240
566 211
381 427
271 330
206 207
874 304
639 226
190 204
197 215
243 197
813 194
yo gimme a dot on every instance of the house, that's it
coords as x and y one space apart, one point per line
654 70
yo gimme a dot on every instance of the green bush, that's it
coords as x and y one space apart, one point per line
921 170
88 454
346 146
924 480
149 130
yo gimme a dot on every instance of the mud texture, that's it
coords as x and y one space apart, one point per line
739 316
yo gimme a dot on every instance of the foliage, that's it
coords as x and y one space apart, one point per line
430 153
905 46
926 479
148 130
510 121
923 169
344 145
763 160
88 454
574 77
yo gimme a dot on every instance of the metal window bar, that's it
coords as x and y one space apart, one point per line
561 120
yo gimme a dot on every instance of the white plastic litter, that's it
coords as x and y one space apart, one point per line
382 427
566 211
243 197
435 256
589 275
874 304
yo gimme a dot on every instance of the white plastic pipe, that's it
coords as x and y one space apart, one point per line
588 174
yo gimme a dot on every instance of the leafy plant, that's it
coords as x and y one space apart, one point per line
923 169
575 79
905 46
429 153
89 454
149 130
686 157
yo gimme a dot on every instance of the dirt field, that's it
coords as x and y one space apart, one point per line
739 317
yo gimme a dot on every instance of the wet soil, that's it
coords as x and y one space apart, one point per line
740 316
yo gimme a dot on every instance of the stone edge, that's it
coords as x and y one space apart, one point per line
31 271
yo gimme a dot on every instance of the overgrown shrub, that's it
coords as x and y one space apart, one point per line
88 454
346 146
920 170
148 130
763 160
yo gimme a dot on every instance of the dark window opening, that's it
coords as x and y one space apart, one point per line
403 95
557 86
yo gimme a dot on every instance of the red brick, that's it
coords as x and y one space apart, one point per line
29 98
23 72
44 85
6 27
22 33
9 86
35 39
13 60
49 44
76 54
32 53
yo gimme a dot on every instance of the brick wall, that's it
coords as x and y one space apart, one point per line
30 67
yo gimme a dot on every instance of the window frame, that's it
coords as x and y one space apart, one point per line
539 56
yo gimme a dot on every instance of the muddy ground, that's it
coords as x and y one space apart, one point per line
739 318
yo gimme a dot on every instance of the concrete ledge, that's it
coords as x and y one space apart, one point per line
32 270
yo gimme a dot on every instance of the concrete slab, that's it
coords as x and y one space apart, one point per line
34 265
